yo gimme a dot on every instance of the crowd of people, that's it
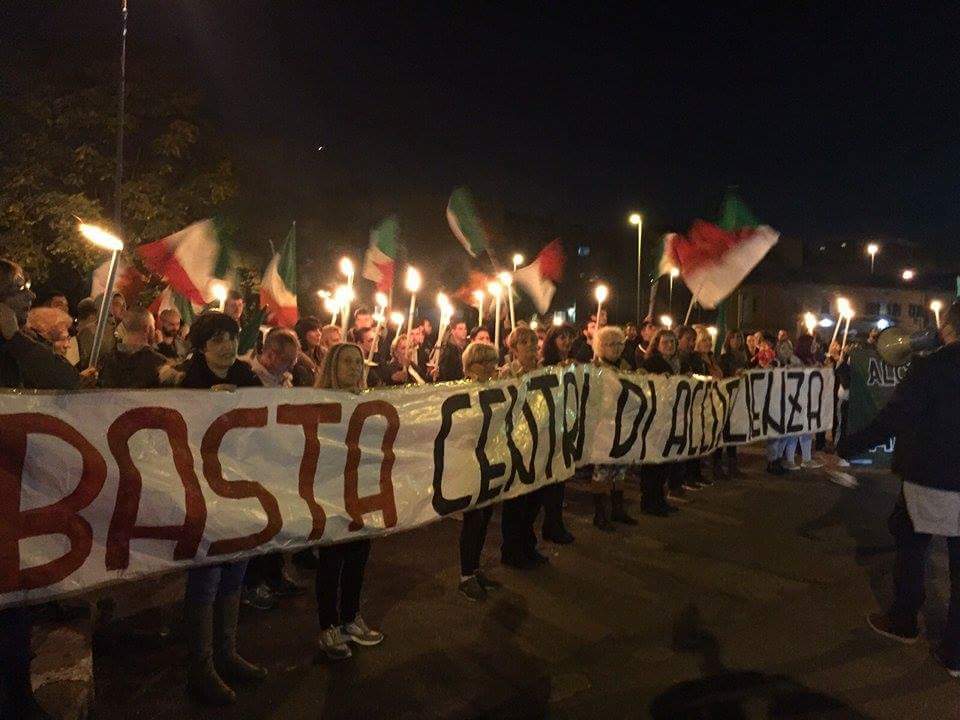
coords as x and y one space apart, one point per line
46 348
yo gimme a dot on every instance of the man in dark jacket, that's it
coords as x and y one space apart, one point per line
133 363
582 348
924 416
25 362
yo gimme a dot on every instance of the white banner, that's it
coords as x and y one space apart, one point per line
112 485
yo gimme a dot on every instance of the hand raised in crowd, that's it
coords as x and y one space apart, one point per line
8 321
88 378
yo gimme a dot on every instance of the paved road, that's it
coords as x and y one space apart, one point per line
753 596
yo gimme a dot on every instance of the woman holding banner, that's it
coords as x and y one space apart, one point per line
661 358
608 343
212 600
340 567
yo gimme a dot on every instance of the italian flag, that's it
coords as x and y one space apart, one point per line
278 289
380 259
189 260
465 222
129 281
170 298
537 279
715 258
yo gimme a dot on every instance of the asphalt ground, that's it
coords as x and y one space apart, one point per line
749 603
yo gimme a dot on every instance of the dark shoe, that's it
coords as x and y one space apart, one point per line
536 556
617 513
948 663
559 536
228 663
601 513
487 583
472 590
19 701
883 625
306 559
260 597
776 468
332 644
718 472
517 561
286 588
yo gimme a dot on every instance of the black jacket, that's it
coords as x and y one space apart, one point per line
26 361
657 364
580 350
450 364
122 369
199 375
924 416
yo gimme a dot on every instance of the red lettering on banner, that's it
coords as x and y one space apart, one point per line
310 417
237 489
60 518
384 500
123 525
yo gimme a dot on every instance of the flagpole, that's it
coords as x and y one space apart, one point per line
693 300
118 179
653 296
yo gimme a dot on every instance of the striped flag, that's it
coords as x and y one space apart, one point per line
189 260
278 289
379 262
465 222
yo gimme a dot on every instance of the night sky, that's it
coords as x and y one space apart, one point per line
835 122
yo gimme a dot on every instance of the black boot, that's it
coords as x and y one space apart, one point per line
718 471
601 513
617 512
553 528
733 469
19 701
228 663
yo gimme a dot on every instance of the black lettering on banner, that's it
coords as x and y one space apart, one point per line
582 421
729 388
756 428
653 412
573 436
715 429
704 398
681 402
768 420
793 398
488 471
442 505
544 383
619 449
814 415
517 466
693 448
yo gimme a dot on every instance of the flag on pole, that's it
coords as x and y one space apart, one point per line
278 289
129 281
714 259
380 259
170 298
189 260
465 222
537 279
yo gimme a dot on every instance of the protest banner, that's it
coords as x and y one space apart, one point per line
106 486
872 382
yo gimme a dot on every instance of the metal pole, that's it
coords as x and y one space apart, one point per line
104 309
118 180
639 264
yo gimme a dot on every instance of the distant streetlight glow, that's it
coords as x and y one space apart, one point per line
936 306
908 274
872 250
666 321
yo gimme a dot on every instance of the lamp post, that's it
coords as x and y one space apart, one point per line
637 219
600 293
108 241
936 306
872 250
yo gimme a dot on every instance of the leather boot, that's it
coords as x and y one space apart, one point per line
19 701
203 682
230 665
601 513
617 512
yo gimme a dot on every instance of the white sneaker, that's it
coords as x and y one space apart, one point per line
359 632
790 465
811 464
333 645
842 463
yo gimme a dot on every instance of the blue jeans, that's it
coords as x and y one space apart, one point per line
206 584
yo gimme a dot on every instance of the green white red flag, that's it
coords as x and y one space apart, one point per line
537 279
714 259
379 262
129 281
465 222
189 260
170 298
278 289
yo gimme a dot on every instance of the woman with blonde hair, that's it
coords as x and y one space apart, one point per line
608 344
340 567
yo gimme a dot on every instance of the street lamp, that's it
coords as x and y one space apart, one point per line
872 250
108 241
517 261
601 294
908 274
637 219
936 306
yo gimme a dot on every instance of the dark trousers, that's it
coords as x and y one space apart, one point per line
517 518
340 578
472 536
908 579
15 654
653 479
264 569
551 497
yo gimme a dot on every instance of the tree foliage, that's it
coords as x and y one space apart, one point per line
58 162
